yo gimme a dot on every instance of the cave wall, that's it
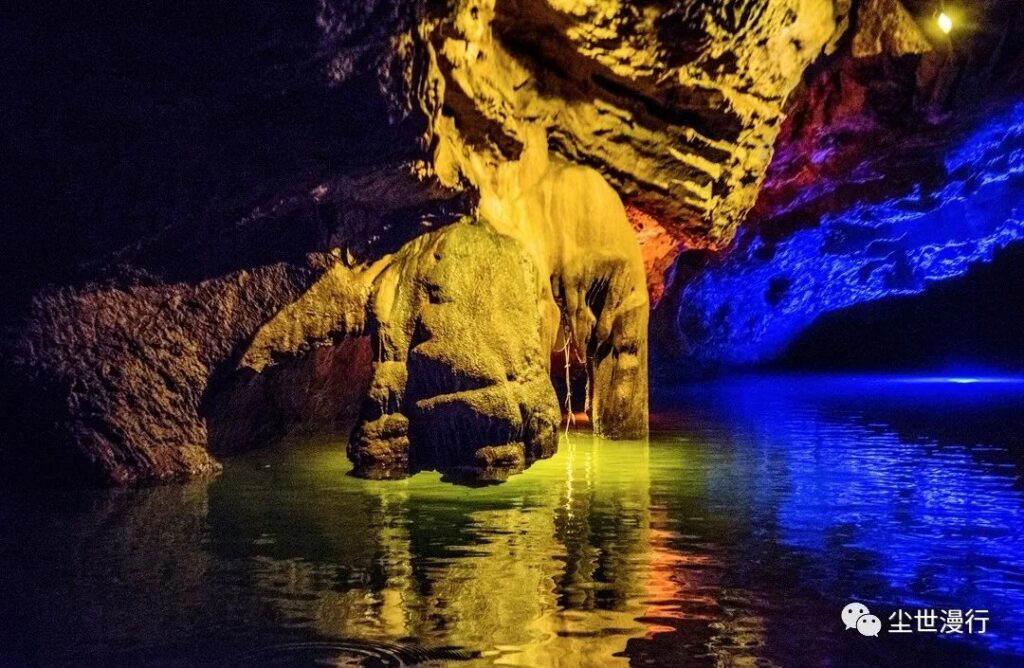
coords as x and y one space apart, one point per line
749 306
201 197
897 167
677 104
178 176
184 176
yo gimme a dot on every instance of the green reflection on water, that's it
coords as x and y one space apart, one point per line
731 539
557 565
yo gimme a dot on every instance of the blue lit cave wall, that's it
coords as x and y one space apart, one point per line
749 305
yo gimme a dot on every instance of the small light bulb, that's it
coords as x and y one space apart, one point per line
945 23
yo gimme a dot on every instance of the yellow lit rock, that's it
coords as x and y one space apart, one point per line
885 26
677 108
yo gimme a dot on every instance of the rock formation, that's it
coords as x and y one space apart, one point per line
112 380
897 167
462 348
676 104
591 280
751 305
256 213
460 378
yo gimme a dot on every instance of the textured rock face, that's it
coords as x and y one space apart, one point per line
462 347
678 105
752 304
590 277
461 372
460 378
352 133
115 378
895 169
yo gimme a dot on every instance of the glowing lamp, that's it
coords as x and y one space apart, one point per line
945 23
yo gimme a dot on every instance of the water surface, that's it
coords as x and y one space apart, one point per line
734 537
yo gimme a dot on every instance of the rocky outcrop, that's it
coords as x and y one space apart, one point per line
897 168
460 378
462 347
678 105
269 205
461 373
749 306
108 383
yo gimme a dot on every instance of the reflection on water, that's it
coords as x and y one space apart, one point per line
735 537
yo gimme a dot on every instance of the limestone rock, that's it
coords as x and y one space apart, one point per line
186 175
569 242
109 383
885 26
893 172
591 281
333 309
460 379
677 104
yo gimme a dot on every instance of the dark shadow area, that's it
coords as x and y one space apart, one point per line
185 138
965 324
315 393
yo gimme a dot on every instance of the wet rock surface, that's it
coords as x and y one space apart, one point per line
591 284
751 306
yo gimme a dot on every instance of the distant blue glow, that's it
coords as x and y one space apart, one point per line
763 294
964 380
